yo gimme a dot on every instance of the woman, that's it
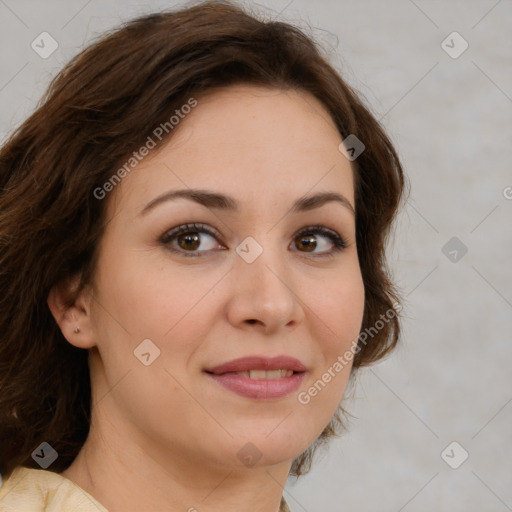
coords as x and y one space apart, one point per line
192 230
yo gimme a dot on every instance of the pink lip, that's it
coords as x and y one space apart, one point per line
244 364
261 389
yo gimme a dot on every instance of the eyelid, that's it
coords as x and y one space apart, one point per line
324 231
338 241
192 227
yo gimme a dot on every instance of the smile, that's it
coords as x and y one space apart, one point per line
264 374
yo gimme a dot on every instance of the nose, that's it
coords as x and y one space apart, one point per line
264 295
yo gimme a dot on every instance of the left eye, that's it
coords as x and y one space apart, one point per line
308 239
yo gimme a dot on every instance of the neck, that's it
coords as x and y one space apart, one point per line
142 475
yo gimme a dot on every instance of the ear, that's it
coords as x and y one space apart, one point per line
72 312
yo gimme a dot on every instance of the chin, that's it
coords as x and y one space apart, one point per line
262 449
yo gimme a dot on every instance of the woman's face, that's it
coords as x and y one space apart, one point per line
252 281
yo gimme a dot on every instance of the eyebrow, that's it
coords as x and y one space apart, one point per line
218 201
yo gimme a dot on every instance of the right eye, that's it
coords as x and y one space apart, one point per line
189 239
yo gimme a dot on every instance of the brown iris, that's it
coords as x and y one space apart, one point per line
190 241
308 243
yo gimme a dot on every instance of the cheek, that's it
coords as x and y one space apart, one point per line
148 297
340 304
338 308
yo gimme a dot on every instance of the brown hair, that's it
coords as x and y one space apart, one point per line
97 111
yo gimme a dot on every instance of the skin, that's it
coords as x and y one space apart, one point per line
165 437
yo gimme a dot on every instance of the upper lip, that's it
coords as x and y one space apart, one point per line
244 364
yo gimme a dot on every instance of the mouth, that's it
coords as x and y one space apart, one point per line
259 377
262 374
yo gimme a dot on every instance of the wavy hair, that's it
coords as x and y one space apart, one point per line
99 108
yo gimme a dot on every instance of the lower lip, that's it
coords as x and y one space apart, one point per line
260 389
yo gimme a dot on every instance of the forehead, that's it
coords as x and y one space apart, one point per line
245 117
249 142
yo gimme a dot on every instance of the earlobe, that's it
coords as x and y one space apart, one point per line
71 311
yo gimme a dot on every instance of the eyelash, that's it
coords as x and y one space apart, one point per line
338 242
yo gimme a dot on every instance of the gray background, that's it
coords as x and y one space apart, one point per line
451 120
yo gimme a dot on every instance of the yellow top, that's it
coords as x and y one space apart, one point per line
38 490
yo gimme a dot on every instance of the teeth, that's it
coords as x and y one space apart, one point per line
264 374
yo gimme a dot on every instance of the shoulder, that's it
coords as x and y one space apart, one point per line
284 506
37 490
